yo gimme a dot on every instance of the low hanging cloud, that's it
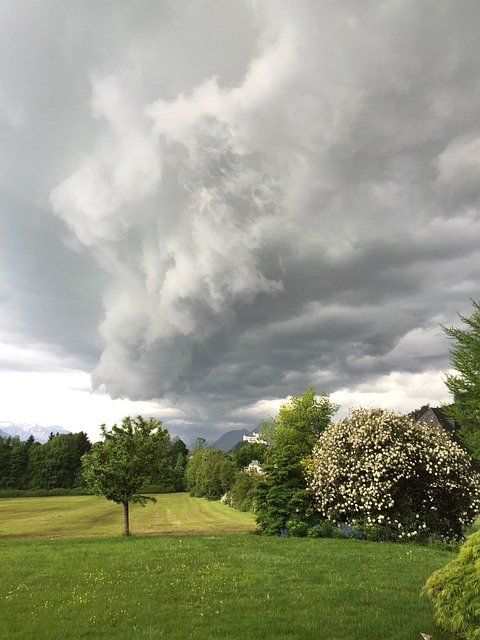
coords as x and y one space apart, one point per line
277 195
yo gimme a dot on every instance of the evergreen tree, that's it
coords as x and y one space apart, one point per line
464 385
5 453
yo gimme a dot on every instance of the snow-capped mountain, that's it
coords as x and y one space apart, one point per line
24 431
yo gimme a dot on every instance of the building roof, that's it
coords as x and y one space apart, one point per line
452 427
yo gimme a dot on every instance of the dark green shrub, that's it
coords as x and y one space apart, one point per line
379 533
158 488
455 591
297 528
323 529
242 493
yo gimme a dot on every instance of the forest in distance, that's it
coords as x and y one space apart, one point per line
56 465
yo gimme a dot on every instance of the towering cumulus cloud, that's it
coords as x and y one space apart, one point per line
288 205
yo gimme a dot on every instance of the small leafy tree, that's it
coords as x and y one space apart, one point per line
282 498
455 591
390 472
465 384
124 461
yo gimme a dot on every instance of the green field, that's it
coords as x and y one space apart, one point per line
91 516
202 586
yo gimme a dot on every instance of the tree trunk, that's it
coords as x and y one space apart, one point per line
126 523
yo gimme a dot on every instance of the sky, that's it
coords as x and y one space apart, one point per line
208 206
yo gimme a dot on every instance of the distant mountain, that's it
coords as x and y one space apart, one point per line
231 438
24 431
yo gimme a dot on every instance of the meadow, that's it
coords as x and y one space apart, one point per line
93 516
59 585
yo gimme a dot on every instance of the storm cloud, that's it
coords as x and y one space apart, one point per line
214 205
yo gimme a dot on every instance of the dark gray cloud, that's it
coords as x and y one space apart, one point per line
216 206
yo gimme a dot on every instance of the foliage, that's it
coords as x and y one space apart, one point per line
125 460
306 415
327 529
38 493
396 474
178 461
241 495
248 451
209 473
53 465
282 497
168 474
57 463
465 384
455 591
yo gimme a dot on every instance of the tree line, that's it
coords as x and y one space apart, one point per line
57 464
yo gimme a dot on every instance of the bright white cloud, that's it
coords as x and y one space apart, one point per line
397 391
64 399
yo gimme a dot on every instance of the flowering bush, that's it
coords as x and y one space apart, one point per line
386 471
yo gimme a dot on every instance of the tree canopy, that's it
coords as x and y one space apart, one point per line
464 383
283 499
120 465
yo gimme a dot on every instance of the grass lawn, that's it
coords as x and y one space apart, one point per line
91 516
202 587
199 587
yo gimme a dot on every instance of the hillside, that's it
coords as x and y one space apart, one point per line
231 438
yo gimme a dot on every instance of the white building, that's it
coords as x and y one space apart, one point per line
254 438
254 467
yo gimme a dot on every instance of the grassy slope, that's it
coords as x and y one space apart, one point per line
80 516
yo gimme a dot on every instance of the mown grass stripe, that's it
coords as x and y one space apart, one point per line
85 516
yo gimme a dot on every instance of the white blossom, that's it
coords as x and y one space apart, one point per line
384 468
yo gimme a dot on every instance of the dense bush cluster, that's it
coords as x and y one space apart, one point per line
242 493
455 591
385 472
209 473
213 473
